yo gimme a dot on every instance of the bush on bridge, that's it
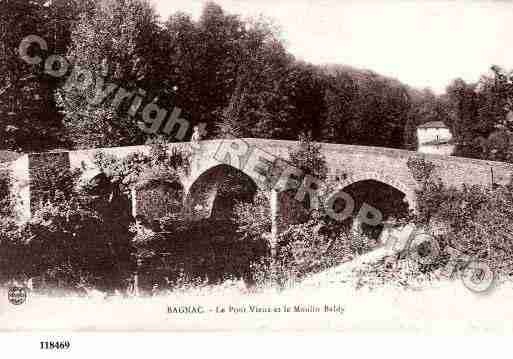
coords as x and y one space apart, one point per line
421 169
309 158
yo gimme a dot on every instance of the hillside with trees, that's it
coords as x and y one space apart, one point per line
232 74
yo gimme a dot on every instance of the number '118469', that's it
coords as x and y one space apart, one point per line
64 345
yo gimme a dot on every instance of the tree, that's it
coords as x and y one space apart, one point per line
28 117
112 43
243 80
483 126
365 108
300 102
339 97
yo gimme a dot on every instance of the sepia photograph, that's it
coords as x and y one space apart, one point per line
256 165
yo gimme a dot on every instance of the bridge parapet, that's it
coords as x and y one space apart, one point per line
347 164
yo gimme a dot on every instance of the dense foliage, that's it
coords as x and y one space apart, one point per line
80 234
474 220
233 75
478 114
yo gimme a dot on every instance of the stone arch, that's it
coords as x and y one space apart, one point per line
107 197
98 184
213 193
408 189
392 198
212 247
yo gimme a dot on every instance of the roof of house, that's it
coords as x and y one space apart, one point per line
433 124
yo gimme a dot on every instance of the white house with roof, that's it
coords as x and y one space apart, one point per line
435 138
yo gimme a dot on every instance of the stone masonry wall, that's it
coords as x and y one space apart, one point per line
347 164
44 169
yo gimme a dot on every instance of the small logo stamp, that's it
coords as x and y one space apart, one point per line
17 295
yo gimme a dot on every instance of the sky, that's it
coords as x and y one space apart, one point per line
423 43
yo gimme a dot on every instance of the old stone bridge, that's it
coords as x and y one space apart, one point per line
224 171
